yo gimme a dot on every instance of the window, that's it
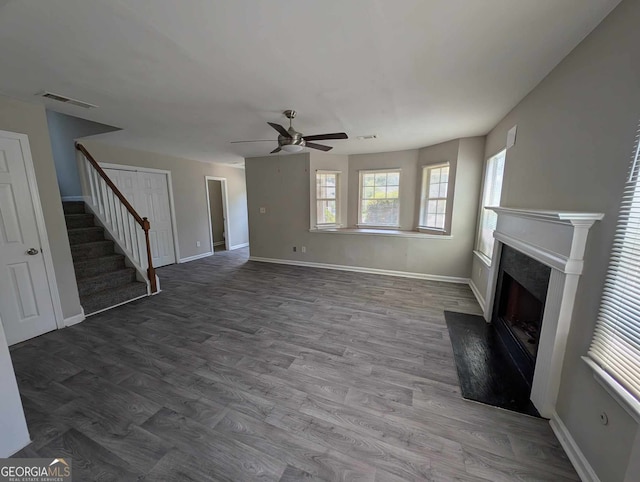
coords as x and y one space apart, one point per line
433 205
379 198
616 342
327 208
490 197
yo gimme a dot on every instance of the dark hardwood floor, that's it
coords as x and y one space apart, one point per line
247 371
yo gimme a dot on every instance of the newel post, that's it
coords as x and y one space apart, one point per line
151 270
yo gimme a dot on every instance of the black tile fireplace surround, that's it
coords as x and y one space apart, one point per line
521 292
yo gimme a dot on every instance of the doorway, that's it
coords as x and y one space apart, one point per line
29 300
149 192
218 217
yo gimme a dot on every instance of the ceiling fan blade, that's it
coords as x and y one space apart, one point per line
258 140
320 147
277 149
325 137
281 130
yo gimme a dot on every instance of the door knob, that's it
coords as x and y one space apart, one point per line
32 251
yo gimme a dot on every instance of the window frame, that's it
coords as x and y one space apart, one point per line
484 201
338 221
387 170
425 186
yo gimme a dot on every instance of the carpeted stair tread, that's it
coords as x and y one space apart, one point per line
101 274
73 207
79 220
109 280
85 235
92 267
112 296
91 250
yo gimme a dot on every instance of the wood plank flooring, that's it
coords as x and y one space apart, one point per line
245 371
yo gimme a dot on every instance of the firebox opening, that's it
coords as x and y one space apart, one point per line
522 313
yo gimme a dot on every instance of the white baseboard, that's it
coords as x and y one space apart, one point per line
238 246
476 293
72 198
360 269
197 256
75 319
577 458
218 243
119 304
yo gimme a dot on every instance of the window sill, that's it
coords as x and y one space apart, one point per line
381 232
322 227
434 231
619 394
486 260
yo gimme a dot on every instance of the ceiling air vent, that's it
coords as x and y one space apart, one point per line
66 100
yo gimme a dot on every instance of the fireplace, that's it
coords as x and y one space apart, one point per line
521 292
538 261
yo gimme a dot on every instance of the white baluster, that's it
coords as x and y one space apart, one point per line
87 173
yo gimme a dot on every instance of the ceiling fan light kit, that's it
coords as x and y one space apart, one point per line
290 140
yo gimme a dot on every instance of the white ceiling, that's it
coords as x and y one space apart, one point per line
186 78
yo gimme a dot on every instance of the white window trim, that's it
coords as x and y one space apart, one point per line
424 196
338 222
486 258
360 224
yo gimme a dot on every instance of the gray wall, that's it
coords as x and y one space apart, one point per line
575 136
63 130
281 184
217 213
189 192
30 119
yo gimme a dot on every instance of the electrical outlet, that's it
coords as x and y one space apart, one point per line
198 244
304 249
295 249
263 210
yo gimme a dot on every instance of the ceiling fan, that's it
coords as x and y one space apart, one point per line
291 140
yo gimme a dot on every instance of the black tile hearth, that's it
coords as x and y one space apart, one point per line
486 374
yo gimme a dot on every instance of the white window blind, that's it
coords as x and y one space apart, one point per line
490 197
616 341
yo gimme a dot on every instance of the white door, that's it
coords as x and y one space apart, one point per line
153 200
148 193
26 306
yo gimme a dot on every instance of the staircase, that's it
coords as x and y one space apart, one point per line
102 276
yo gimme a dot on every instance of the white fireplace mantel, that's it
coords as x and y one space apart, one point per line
556 239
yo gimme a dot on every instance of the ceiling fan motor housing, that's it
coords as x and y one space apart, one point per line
296 139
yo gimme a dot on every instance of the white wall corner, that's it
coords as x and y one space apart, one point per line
577 458
75 319
478 295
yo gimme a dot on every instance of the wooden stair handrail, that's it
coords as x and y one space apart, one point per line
110 183
143 222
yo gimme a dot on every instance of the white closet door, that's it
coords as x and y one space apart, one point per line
148 193
26 306
153 199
